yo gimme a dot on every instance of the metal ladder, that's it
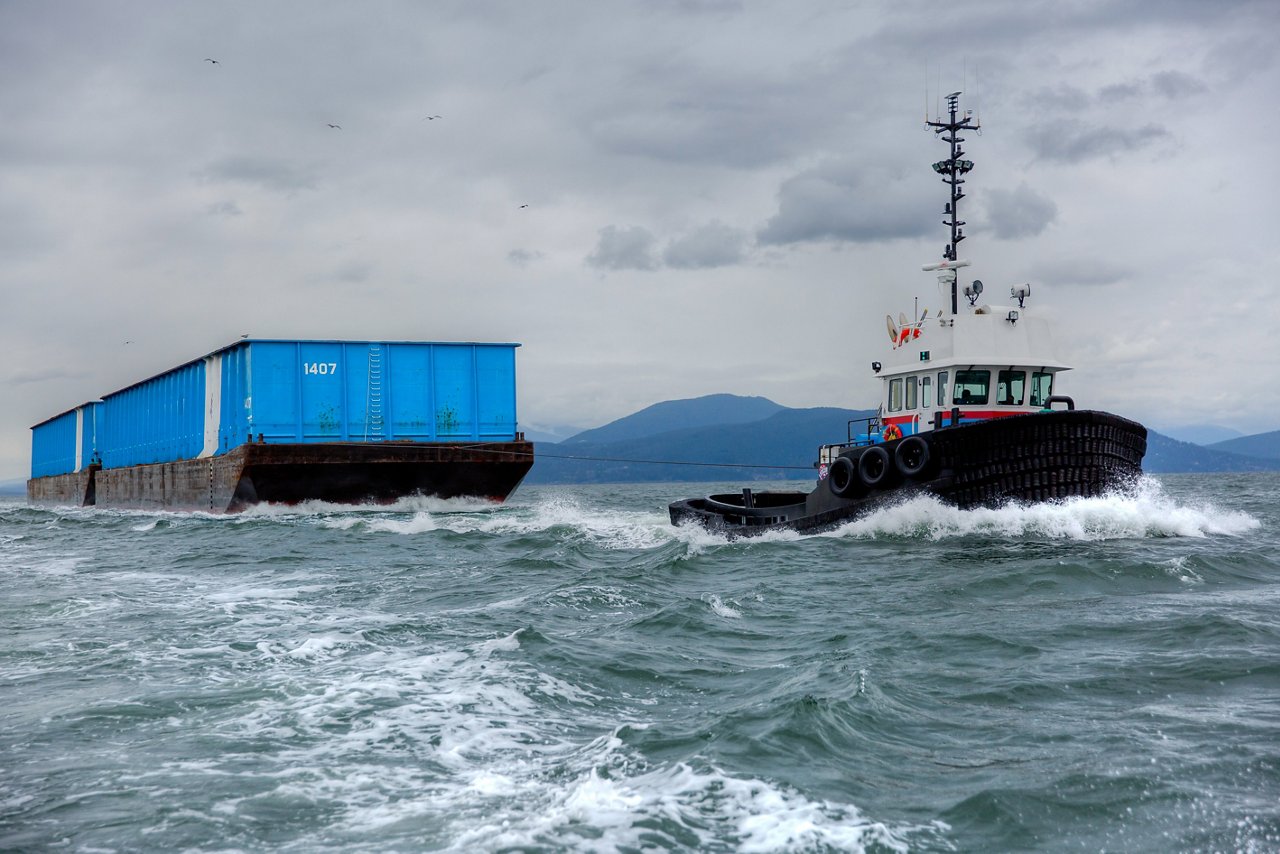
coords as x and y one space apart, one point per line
373 401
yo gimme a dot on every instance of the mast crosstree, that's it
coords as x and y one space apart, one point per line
951 169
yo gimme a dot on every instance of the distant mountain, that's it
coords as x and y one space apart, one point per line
1266 445
677 414
1201 434
1166 456
784 446
718 432
548 432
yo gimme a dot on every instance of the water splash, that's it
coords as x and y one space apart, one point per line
1143 512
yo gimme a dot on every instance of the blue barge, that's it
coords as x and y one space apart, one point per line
293 420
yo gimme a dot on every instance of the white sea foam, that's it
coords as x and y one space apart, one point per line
718 606
1179 568
1141 512
1145 511
487 751
610 529
407 504
627 805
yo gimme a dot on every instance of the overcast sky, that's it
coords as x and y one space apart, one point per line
721 196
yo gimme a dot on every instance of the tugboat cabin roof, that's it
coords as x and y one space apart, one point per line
976 336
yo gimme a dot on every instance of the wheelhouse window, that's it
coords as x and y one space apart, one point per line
1041 388
972 388
911 392
942 388
926 392
895 395
1010 387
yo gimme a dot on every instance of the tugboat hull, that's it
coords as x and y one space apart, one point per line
1029 458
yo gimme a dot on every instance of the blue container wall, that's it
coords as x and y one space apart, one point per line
53 446
159 420
89 439
295 391
324 391
233 418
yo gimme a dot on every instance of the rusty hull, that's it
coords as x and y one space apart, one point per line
341 473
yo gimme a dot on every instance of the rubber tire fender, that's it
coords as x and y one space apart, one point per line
874 467
842 478
912 457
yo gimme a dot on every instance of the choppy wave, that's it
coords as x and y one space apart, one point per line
570 672
1146 511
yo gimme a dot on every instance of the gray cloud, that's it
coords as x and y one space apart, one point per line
269 173
627 248
1080 272
223 208
849 200
712 245
1074 141
1174 85
1017 213
523 257
1177 84
134 173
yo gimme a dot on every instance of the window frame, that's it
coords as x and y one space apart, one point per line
1007 379
1044 401
963 383
895 395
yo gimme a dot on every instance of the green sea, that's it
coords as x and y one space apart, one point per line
568 672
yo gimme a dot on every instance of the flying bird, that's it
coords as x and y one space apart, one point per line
524 206
431 118
339 127
214 61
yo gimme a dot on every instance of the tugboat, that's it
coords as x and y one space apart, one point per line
967 413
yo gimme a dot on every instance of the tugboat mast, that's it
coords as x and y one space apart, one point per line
951 169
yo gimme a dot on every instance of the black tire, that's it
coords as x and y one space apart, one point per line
912 457
842 478
874 467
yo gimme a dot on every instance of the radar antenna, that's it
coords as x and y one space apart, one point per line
951 169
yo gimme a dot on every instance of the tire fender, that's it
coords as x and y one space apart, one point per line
912 457
842 478
874 467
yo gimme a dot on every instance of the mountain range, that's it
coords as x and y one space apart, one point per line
727 437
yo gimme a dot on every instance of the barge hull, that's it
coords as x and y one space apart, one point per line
340 473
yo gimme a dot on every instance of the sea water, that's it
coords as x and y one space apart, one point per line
567 672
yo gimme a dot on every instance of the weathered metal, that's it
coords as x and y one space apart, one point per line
342 473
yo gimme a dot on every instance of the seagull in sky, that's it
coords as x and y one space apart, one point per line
338 127
214 61
431 118
524 206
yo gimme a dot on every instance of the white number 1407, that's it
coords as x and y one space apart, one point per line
319 367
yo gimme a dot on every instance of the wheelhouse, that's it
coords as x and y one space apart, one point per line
941 396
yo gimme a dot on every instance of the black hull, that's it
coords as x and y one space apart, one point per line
293 473
1027 458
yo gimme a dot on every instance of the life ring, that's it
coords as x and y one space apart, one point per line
891 432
